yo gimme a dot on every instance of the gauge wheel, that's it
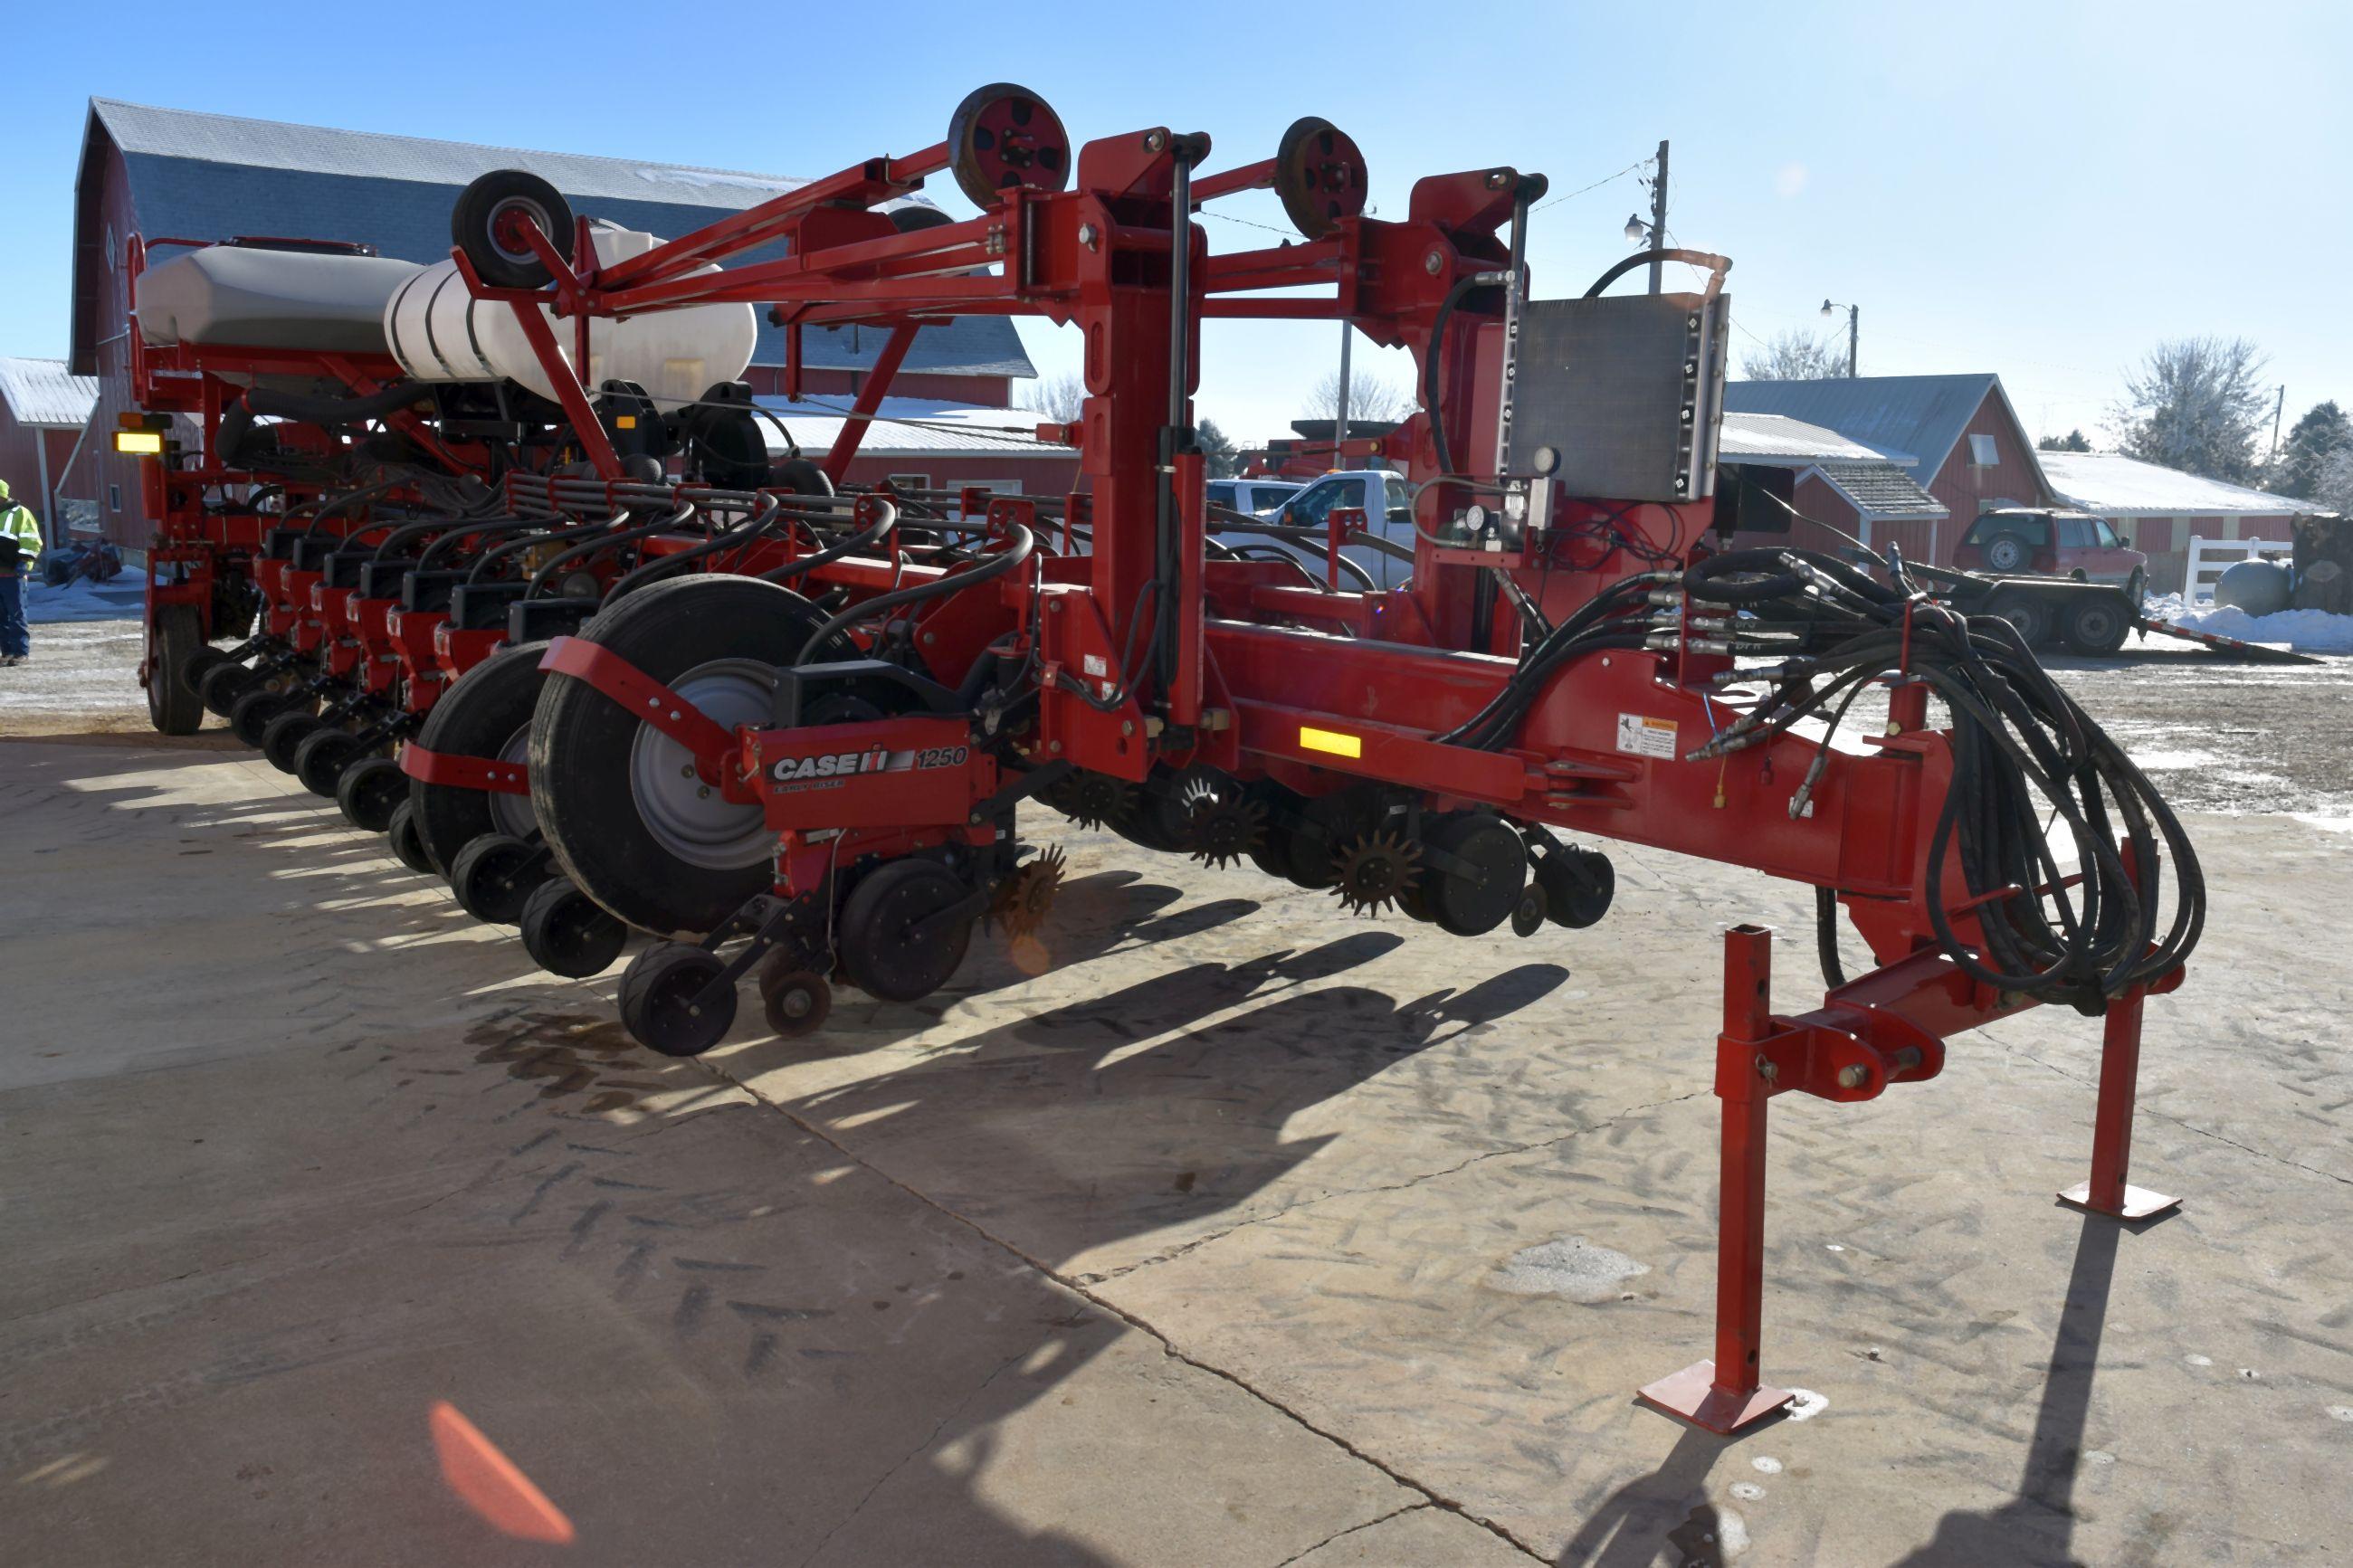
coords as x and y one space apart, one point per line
662 1002
567 932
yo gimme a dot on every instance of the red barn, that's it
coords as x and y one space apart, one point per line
1955 436
43 413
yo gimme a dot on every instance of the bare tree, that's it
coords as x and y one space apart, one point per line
2195 403
1369 397
1797 356
1057 397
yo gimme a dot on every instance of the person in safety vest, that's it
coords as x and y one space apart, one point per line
20 546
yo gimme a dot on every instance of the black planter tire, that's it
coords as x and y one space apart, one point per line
882 952
495 876
406 847
251 713
630 823
219 688
172 705
283 736
567 932
370 791
658 1007
476 227
321 759
486 713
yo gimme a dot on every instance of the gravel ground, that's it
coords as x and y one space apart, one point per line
2216 735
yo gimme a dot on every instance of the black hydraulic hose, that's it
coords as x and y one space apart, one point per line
332 411
399 538
1020 542
480 572
835 550
1429 362
1716 265
604 541
734 536
441 547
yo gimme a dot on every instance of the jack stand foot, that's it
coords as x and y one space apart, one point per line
1693 1395
2137 1202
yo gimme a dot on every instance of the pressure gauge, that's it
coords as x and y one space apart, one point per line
1474 520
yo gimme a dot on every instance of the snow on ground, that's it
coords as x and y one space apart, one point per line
2306 631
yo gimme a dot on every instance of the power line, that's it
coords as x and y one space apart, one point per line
1637 163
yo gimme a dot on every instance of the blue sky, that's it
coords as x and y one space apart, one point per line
2039 190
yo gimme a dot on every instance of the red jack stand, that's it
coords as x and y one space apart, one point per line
1723 1395
2107 1192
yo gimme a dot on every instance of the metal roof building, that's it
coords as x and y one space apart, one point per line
2158 510
43 412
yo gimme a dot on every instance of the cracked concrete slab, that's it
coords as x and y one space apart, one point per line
1229 1178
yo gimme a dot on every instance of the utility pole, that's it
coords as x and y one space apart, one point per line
1340 421
1659 220
1853 341
2277 409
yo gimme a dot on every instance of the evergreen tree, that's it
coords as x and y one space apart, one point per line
2071 442
2318 437
1218 448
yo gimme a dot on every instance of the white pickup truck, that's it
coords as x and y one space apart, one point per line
1387 501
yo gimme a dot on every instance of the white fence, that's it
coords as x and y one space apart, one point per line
2209 558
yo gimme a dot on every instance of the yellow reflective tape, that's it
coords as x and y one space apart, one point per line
1332 740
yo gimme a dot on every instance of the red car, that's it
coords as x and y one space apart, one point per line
2021 542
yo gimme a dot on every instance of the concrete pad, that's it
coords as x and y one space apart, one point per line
1217 1226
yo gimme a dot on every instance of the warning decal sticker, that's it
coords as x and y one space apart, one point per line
1642 737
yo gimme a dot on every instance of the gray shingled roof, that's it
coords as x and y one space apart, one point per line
39 391
211 176
1880 489
1918 416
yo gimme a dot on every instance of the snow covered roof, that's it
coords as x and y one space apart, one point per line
1779 440
40 392
917 428
2114 485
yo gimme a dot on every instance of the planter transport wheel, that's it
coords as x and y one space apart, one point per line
321 759
632 821
892 947
406 847
486 713
488 221
661 1004
283 734
494 875
565 933
178 641
370 791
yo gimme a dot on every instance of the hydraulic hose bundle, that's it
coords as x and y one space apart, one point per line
2023 752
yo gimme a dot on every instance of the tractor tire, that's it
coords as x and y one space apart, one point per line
172 706
630 822
486 713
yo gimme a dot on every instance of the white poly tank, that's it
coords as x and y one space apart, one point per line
253 297
438 332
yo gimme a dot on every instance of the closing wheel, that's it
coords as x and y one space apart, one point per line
172 706
406 847
2096 624
565 932
1476 902
282 735
220 686
1002 136
495 876
1577 885
630 818
370 791
486 713
321 759
488 222
661 1000
251 713
796 1001
1320 174
893 947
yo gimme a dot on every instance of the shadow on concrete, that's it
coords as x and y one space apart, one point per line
2038 1525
